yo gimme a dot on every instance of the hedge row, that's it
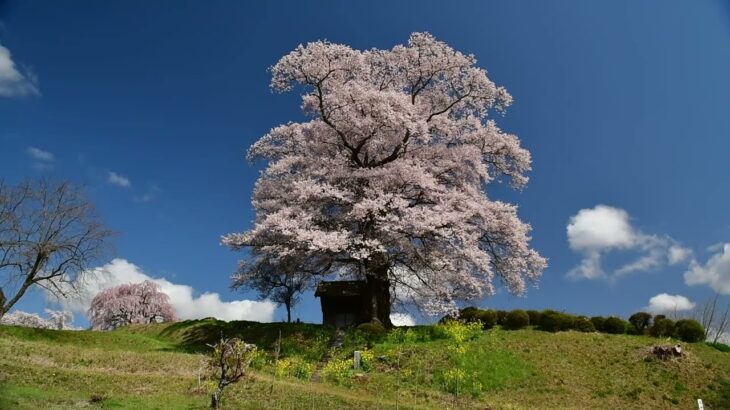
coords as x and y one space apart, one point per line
554 321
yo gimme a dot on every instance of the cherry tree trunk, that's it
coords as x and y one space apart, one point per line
378 286
2 303
215 400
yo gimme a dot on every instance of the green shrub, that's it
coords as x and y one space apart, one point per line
294 367
641 321
552 321
583 324
372 332
258 359
460 332
598 323
372 329
415 334
501 316
469 314
615 326
488 318
431 332
338 371
632 330
662 327
534 317
406 336
367 360
516 319
428 333
449 318
689 330
454 380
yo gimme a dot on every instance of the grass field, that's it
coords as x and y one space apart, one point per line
157 367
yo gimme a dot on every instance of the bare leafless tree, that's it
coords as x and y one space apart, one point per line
50 235
721 324
714 318
229 362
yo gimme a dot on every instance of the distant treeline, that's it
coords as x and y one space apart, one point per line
640 323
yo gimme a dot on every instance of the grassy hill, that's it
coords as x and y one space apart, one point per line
157 367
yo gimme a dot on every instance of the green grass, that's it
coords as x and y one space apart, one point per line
157 367
719 346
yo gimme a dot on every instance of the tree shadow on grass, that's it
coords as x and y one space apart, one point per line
302 339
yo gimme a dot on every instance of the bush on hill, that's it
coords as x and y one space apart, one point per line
534 317
641 321
689 330
516 319
614 325
501 316
598 323
373 332
632 330
662 327
469 314
583 324
552 321
488 318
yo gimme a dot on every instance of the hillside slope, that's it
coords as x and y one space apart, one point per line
157 367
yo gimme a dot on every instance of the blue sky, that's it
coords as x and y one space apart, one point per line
621 103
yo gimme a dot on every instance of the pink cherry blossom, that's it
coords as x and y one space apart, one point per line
130 304
388 178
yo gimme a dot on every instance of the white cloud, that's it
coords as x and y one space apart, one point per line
666 303
596 231
13 82
716 247
678 254
186 305
118 180
402 319
654 251
149 195
39 154
589 268
715 272
42 159
600 228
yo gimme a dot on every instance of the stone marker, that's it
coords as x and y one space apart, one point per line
700 404
357 359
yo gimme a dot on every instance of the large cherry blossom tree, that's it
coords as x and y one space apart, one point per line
134 303
387 180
